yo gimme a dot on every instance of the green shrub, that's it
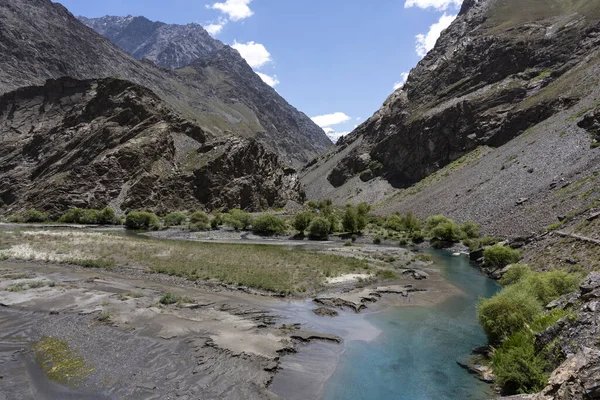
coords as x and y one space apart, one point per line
497 257
32 216
518 367
363 209
548 286
302 221
348 243
470 230
244 219
446 232
73 216
506 313
168 298
107 216
334 223
435 220
319 229
199 217
269 225
410 222
175 219
349 222
141 220
229 220
515 274
377 240
394 223
90 217
216 221
417 237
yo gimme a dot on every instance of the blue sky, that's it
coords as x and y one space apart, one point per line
333 59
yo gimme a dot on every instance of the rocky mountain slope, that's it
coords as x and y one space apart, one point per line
41 40
89 143
510 86
168 45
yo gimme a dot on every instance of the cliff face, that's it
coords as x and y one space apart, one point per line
41 40
503 69
74 143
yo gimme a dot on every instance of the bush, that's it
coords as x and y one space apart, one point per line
446 232
434 221
319 229
394 223
73 216
497 257
515 274
107 216
32 216
302 221
410 222
269 225
518 367
377 240
175 219
168 298
244 219
216 221
199 217
470 230
334 223
349 222
417 237
348 243
229 220
90 217
141 220
548 286
507 313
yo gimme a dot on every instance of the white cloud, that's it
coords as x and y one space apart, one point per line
331 119
269 80
441 5
427 42
235 9
328 130
358 118
216 27
335 136
255 54
402 81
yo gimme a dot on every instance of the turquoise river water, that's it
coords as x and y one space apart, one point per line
415 355
400 353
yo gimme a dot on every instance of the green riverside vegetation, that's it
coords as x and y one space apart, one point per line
513 317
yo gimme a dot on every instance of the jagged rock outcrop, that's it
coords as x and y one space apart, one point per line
41 40
504 70
168 45
92 143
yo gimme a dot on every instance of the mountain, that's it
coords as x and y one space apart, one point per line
89 143
41 40
170 46
491 125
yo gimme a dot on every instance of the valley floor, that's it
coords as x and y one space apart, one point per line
96 314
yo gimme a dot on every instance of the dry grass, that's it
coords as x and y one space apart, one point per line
272 268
